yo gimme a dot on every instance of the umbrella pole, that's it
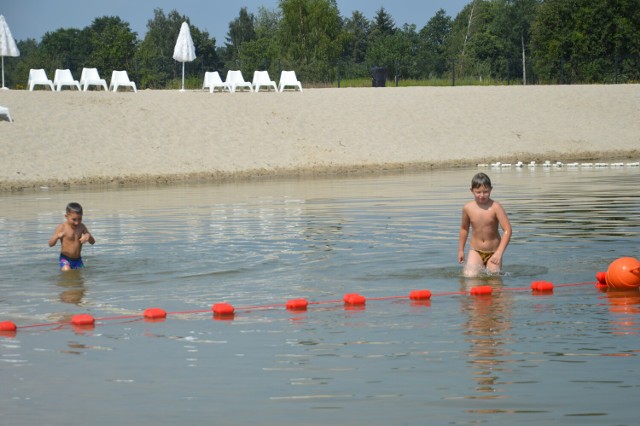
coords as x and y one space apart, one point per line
182 77
3 72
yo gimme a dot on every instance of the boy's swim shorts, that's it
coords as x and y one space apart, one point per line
72 263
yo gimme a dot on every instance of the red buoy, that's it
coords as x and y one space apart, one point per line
542 286
83 319
8 326
354 299
420 295
623 274
223 309
297 304
601 277
155 313
481 290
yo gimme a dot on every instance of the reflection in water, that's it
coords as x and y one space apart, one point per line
625 311
487 324
73 284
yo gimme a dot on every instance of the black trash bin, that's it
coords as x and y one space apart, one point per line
378 77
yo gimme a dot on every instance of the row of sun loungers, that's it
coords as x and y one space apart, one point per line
235 81
90 77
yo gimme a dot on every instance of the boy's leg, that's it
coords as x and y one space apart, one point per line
64 264
474 264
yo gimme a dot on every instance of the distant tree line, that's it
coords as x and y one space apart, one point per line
498 41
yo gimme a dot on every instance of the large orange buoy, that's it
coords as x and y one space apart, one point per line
623 274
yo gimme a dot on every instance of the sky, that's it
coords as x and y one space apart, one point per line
33 18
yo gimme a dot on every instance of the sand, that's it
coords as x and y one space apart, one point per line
70 138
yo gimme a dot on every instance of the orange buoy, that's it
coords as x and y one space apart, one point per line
223 309
623 274
155 313
481 290
83 319
420 295
354 299
8 326
542 286
297 304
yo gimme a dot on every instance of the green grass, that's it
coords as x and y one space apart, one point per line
465 81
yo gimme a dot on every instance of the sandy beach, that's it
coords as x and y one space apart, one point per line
93 138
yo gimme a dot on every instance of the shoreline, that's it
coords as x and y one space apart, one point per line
93 139
134 181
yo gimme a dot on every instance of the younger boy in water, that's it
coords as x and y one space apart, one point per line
483 215
72 235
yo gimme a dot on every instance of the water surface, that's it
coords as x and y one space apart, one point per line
565 358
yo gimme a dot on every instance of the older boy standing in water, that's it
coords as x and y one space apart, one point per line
72 235
483 215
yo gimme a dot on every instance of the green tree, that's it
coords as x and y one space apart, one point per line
241 31
155 54
111 45
157 68
63 48
433 54
587 40
311 37
263 52
383 24
17 69
357 30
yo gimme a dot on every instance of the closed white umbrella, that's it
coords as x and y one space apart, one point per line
8 45
184 51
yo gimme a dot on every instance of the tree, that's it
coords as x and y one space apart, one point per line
63 48
311 36
587 40
263 52
383 24
17 69
434 40
112 44
241 31
157 68
357 29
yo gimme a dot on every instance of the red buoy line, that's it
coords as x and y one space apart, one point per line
227 311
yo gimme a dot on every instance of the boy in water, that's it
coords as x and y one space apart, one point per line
72 235
483 215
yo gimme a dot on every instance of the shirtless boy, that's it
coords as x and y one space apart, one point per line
483 215
72 235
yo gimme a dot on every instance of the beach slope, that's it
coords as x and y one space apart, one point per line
84 138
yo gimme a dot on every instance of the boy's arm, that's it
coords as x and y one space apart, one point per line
57 235
87 237
506 229
464 233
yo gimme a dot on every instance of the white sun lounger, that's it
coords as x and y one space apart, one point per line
5 111
288 78
212 80
38 77
90 77
235 80
64 78
121 78
262 79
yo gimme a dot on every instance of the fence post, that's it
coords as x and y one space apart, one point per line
453 72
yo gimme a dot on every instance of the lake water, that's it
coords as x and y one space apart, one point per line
564 358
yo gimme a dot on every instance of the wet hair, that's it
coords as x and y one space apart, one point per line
479 180
74 208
